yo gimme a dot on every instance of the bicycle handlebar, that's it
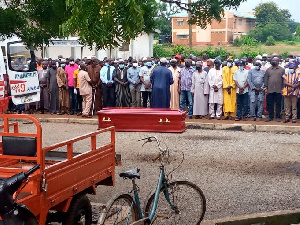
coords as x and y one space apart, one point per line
150 139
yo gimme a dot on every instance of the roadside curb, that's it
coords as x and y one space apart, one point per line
274 218
197 125
244 127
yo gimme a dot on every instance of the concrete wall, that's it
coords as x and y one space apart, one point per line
140 47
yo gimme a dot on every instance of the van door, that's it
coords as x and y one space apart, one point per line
22 73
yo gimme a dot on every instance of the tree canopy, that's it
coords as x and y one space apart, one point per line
272 21
100 23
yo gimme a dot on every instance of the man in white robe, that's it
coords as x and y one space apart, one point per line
200 91
215 90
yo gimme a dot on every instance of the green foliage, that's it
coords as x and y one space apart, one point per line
160 51
245 41
250 52
290 42
237 42
279 33
249 41
99 23
298 31
203 11
181 49
285 55
270 41
35 21
269 13
272 21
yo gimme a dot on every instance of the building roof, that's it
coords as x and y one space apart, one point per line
246 15
181 14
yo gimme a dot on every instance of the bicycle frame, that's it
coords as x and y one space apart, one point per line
162 183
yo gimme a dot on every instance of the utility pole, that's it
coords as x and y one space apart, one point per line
190 25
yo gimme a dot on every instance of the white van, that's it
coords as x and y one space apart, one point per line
21 71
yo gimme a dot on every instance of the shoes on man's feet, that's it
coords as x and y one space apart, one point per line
190 117
253 119
237 119
294 121
226 118
286 120
278 120
268 119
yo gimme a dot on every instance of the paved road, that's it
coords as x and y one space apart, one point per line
239 172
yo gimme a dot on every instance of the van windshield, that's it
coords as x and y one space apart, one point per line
20 58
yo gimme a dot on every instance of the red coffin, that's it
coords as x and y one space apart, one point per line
142 119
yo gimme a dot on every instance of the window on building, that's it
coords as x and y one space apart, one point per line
240 22
182 36
180 22
250 23
124 47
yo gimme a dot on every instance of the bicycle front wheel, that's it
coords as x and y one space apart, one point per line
188 199
121 210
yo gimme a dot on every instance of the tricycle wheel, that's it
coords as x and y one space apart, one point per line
80 212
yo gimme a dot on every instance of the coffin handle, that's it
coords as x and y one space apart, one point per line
166 121
106 120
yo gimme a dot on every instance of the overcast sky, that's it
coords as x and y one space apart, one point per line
291 5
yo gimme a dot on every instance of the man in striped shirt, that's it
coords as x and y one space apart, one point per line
290 92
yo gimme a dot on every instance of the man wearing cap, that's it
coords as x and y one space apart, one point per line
200 90
256 79
186 75
240 77
265 64
229 89
134 84
145 73
123 96
175 87
215 90
274 85
94 73
161 79
290 92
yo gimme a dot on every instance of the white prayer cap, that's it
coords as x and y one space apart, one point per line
163 60
258 61
144 59
89 57
258 57
265 55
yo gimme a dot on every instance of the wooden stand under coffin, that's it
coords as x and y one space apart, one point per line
142 119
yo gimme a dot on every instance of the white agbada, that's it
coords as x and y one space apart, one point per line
215 78
200 88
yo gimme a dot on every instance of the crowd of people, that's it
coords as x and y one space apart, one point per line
230 89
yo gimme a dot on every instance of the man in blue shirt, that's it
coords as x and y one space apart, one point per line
108 86
134 84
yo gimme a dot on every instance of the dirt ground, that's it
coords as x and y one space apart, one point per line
239 172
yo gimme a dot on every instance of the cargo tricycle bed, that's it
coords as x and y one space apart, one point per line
64 177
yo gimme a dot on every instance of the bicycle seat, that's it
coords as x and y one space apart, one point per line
131 174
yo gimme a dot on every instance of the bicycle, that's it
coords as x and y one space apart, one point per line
183 204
